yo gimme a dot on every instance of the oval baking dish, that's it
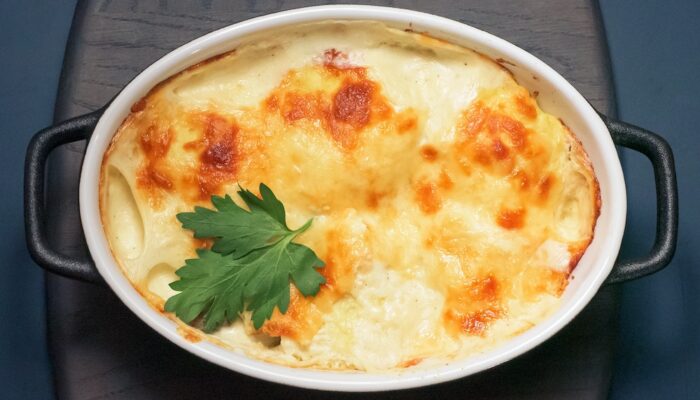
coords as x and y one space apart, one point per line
597 134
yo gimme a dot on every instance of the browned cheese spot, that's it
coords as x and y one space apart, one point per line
218 152
429 153
472 306
427 196
511 218
153 175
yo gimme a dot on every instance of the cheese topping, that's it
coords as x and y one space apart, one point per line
448 207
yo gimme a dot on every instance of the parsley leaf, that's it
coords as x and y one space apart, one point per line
236 229
249 266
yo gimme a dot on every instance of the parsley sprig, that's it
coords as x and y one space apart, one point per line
250 266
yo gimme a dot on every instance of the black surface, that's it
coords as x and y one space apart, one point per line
100 350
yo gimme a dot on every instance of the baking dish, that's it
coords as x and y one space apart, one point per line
556 96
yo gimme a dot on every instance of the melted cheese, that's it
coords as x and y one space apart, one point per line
448 207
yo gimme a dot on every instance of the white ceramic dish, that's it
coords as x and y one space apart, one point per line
556 96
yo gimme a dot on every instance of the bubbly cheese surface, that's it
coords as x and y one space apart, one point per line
448 207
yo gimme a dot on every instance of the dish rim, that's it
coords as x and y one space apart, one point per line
209 45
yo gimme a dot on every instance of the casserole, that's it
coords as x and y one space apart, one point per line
595 264
448 207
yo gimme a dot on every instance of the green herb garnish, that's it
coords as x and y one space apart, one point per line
250 266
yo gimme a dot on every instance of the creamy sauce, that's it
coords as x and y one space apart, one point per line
448 207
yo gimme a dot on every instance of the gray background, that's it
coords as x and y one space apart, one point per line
653 45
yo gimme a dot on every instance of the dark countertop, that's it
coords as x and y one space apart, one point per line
655 52
34 35
655 48
100 350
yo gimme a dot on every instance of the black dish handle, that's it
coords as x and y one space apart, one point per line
39 148
659 153
623 134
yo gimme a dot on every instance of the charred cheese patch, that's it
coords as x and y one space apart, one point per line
448 207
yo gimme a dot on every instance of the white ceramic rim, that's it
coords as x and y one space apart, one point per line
344 381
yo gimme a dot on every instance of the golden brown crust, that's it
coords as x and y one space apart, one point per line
472 207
